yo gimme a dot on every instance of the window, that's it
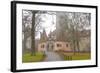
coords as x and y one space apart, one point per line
66 45
59 45
42 46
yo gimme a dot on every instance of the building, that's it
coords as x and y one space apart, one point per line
52 43
56 40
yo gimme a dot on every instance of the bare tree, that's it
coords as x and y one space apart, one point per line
72 23
25 28
79 22
31 22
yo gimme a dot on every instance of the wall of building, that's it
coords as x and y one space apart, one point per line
64 46
57 46
41 47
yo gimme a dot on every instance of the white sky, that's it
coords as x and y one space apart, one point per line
49 24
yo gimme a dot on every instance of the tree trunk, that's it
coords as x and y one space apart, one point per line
74 45
33 34
24 40
78 47
77 41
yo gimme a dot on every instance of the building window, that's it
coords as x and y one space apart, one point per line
66 45
42 46
59 45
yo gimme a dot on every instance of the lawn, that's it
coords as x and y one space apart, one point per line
27 57
76 56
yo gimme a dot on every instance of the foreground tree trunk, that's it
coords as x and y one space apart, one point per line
33 51
77 40
77 43
73 39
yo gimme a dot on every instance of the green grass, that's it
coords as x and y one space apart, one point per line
79 56
39 56
76 56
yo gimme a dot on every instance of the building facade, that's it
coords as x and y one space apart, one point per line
52 43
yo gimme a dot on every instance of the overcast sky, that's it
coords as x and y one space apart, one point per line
49 24
49 21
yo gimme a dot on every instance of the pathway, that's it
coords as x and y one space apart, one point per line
52 56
